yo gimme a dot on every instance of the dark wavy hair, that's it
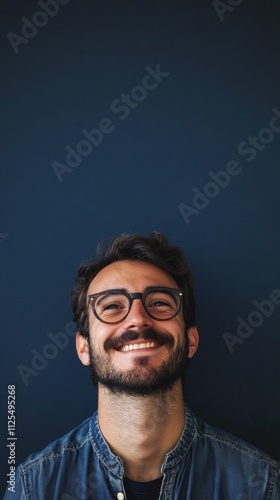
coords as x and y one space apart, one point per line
153 249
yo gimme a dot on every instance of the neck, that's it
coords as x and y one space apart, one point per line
142 429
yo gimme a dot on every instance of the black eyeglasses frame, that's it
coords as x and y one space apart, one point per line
132 296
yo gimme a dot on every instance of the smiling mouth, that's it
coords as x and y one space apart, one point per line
148 340
137 346
134 347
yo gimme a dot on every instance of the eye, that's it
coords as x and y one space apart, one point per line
112 305
159 303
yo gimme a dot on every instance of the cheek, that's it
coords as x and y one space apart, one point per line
94 326
181 326
99 332
181 332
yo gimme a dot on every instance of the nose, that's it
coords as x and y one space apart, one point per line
137 316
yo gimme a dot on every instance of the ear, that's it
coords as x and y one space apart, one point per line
193 340
82 349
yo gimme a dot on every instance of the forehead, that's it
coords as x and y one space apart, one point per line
133 275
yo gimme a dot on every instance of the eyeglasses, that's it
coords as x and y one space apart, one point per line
113 306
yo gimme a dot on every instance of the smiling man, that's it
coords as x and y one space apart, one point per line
135 312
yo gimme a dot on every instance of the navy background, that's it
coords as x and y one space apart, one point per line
223 84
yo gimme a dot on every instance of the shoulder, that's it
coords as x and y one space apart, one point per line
73 441
228 444
60 465
228 463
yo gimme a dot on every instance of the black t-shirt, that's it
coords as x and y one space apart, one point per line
148 490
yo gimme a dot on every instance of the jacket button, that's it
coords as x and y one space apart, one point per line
120 496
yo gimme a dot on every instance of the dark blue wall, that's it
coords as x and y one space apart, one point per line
211 104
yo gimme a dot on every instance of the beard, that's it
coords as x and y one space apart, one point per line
143 379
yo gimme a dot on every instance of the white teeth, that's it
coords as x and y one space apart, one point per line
133 347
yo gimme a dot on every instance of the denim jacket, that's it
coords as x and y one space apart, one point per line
206 464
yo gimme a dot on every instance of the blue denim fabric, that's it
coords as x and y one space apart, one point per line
206 464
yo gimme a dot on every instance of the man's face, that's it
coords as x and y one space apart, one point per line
162 346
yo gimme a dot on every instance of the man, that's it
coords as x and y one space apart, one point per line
135 313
